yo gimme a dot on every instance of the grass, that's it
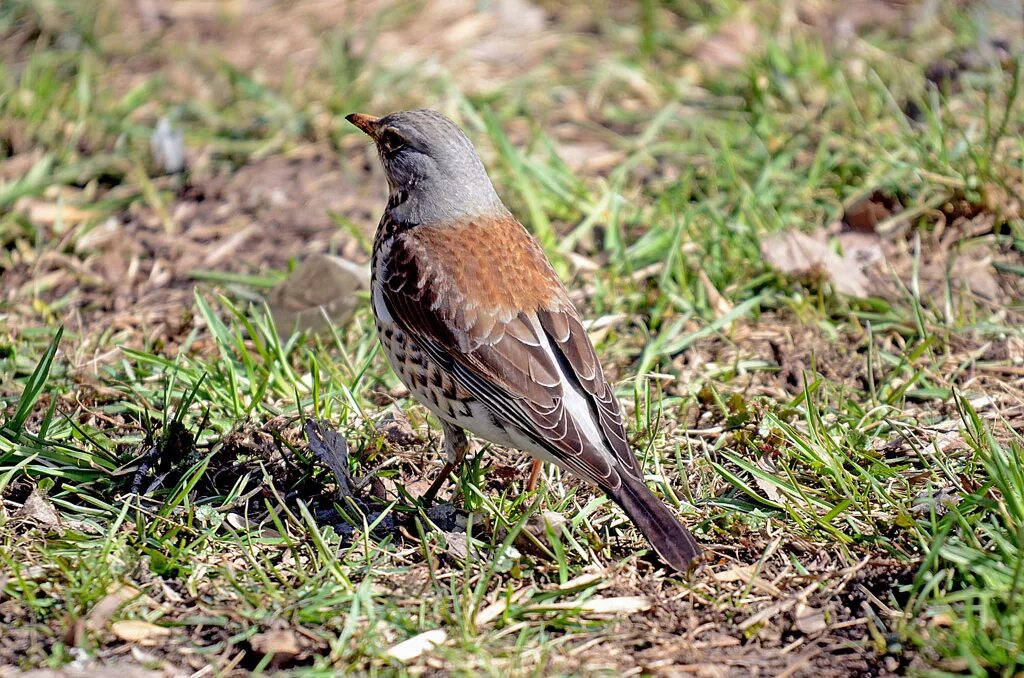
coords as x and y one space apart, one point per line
853 465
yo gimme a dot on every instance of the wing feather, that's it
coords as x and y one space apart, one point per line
515 345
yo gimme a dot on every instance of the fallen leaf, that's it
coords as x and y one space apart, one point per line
410 649
717 640
767 613
935 501
238 522
745 574
586 580
589 157
332 449
1015 350
444 516
84 667
838 22
616 605
17 166
498 35
97 239
771 490
947 441
136 630
794 253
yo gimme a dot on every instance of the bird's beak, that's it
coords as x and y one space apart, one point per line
367 123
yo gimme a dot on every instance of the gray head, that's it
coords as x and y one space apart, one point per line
433 170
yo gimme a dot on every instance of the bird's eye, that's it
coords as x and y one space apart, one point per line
390 141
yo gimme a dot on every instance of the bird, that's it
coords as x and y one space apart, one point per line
478 326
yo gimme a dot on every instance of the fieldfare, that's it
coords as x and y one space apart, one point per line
480 329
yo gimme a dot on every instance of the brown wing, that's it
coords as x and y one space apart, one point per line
483 300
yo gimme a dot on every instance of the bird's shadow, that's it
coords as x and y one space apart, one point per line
353 510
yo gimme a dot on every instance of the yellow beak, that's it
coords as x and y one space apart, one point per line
367 123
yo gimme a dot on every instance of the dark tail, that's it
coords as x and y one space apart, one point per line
670 539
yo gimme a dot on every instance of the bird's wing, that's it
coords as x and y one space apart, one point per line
481 298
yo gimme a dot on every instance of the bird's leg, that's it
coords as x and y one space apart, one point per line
531 484
455 446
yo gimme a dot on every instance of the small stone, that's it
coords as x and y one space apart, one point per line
320 293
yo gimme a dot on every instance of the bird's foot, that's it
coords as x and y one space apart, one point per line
531 483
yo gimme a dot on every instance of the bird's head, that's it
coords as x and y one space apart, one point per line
433 171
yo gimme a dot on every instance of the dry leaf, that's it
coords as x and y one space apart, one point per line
1015 350
410 649
458 545
332 449
586 580
589 157
794 253
98 238
771 490
778 607
136 630
745 574
90 668
935 501
616 605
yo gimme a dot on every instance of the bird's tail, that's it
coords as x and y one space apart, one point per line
670 539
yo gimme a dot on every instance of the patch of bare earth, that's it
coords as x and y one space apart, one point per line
132 275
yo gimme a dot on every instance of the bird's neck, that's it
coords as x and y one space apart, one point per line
448 204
